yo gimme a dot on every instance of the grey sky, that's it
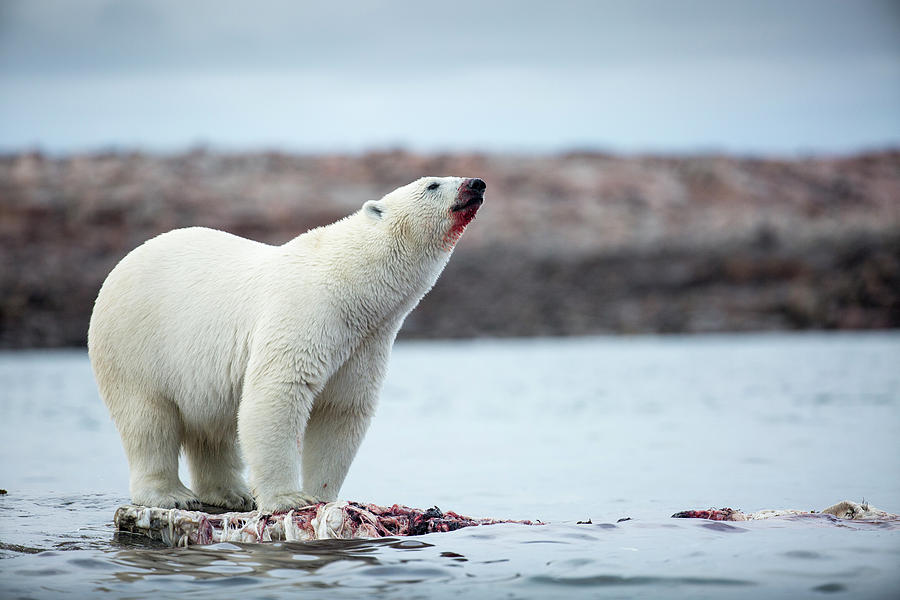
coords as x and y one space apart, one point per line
748 77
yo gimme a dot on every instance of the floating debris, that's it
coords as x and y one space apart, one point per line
349 520
332 520
842 510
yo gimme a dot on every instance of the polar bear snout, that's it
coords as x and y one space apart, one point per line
475 184
470 194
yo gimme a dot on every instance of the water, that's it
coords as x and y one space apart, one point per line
557 430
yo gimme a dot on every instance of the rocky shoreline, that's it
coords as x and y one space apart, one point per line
574 244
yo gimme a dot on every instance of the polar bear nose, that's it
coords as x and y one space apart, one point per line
476 184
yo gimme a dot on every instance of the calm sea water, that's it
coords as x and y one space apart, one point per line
556 430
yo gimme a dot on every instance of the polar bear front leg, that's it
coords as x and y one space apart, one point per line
271 420
341 416
332 438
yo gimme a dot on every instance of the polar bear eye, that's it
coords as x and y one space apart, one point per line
433 186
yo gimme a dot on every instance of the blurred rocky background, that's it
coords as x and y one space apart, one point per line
566 244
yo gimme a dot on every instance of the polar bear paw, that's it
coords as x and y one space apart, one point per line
284 502
238 498
173 497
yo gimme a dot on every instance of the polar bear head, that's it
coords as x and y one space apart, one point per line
429 213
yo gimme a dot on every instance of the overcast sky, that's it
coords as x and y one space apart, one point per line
746 77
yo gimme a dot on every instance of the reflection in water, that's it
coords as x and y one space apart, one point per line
242 564
617 580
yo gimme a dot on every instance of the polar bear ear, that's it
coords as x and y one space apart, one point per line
374 209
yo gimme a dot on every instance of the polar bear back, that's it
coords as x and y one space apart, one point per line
186 297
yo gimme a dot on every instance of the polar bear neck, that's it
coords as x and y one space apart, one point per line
371 271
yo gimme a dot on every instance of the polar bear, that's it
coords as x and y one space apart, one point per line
233 349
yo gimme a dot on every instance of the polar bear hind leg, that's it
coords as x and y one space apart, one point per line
152 431
216 471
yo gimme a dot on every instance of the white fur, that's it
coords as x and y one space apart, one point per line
200 338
